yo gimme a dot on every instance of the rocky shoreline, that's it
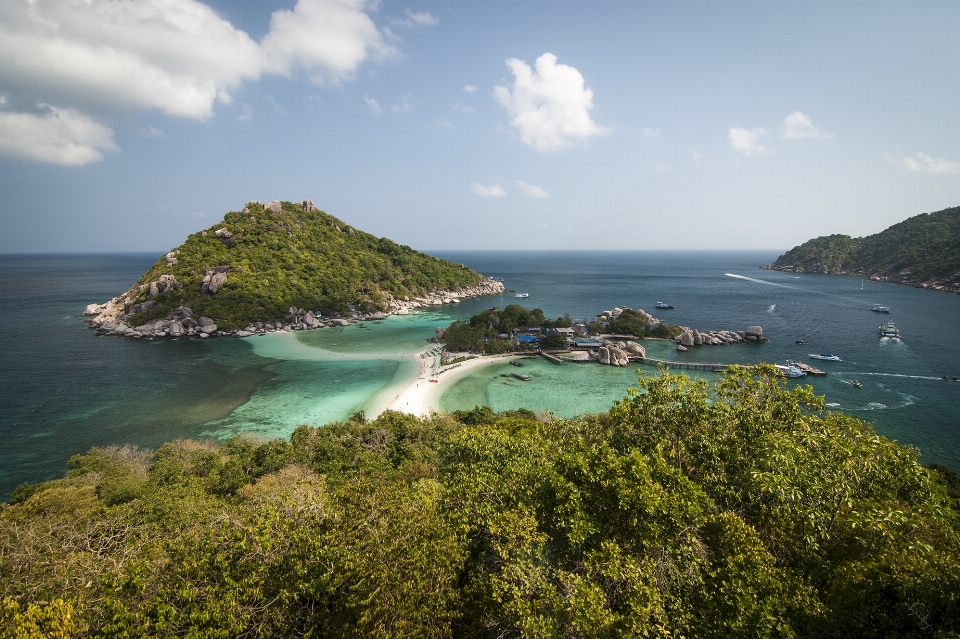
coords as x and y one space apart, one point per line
906 276
112 318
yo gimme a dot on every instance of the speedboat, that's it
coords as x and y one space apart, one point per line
662 305
889 330
830 357
856 383
800 341
789 370
522 295
880 309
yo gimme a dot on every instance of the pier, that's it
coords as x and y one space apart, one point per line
809 370
689 366
552 358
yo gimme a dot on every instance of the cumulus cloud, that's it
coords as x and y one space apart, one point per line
96 58
246 113
651 133
797 126
923 163
373 104
531 190
469 88
488 190
58 136
747 141
550 107
417 19
152 132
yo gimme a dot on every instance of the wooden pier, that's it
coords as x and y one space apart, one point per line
688 366
809 370
552 358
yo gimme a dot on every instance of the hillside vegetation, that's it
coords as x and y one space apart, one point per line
923 250
258 262
741 510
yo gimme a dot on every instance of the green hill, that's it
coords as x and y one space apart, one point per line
258 262
923 250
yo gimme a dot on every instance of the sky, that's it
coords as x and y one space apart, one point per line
126 125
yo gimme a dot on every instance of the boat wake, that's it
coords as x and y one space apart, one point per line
772 308
939 379
753 279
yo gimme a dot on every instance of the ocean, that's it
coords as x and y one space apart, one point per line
64 390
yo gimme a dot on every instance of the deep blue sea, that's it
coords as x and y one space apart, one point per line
64 390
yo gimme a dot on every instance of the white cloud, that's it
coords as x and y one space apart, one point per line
279 108
101 57
492 190
328 39
58 136
152 132
373 104
651 133
403 105
662 168
797 126
469 88
549 107
246 113
462 108
923 163
531 190
417 19
747 141
441 123
696 155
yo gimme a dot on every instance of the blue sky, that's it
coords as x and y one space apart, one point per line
124 126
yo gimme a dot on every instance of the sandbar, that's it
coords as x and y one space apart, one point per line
421 395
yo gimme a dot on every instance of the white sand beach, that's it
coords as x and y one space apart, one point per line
421 396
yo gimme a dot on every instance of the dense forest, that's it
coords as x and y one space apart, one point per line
268 261
741 509
922 250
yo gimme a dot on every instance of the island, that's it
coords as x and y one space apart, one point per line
922 251
281 266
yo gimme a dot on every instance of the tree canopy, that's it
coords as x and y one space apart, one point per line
738 509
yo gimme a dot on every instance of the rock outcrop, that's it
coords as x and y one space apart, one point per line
690 337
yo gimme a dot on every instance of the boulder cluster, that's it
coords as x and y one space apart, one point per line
692 337
403 307
619 353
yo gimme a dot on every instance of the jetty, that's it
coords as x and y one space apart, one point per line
689 366
809 370
552 358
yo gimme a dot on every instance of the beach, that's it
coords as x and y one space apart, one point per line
420 396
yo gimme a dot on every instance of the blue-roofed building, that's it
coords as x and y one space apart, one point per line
527 339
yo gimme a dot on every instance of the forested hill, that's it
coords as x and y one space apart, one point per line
258 262
923 250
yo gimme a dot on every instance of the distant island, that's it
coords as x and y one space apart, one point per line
923 251
281 266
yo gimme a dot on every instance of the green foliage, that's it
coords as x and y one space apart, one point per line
922 248
296 258
741 509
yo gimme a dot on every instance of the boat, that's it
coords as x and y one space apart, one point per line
856 383
801 342
789 370
522 295
830 357
516 363
880 309
662 305
889 330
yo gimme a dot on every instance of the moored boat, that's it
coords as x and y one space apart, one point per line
522 295
880 309
830 357
789 370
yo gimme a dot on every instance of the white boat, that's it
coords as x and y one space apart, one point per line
880 309
522 295
830 357
662 305
789 370
889 330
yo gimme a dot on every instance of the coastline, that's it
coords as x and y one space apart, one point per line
420 396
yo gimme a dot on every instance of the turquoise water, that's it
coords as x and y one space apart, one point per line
63 390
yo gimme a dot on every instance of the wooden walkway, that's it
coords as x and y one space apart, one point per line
552 358
689 366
